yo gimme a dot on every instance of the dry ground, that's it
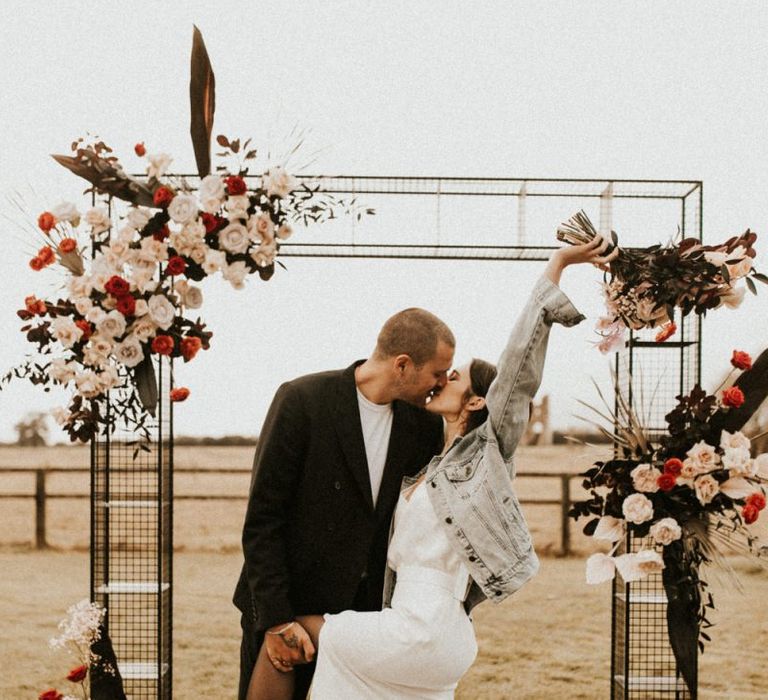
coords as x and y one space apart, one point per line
551 640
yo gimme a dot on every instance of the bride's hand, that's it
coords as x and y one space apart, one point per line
592 252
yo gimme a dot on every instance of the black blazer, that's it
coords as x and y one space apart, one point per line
311 533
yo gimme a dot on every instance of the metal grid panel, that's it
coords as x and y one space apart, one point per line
643 665
131 541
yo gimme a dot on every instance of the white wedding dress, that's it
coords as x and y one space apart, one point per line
424 643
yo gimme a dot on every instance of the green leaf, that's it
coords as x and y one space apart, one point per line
751 285
146 384
724 272
760 277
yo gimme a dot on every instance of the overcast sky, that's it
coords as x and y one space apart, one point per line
659 90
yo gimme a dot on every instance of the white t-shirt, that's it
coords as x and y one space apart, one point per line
376 420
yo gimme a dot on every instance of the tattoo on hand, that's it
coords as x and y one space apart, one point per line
290 640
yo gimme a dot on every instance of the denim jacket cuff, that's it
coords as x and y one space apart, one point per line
556 304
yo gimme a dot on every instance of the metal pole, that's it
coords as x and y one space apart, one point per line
565 506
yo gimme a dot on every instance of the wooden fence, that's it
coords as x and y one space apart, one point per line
41 495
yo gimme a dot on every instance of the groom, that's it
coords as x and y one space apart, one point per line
326 477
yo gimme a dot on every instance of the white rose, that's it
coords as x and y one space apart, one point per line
234 238
733 297
192 297
157 250
158 164
600 568
212 187
83 305
760 466
61 415
142 329
98 219
138 217
237 206
66 211
703 455
87 384
609 528
284 232
734 440
277 182
183 208
96 315
183 242
737 460
80 286
235 274
143 261
691 469
644 478
198 253
130 352
634 567
195 228
264 255
665 531
214 260
65 331
108 378
141 308
112 325
210 205
143 279
261 228
62 371
161 311
706 488
637 508
92 358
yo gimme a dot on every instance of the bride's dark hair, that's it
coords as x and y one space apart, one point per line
481 374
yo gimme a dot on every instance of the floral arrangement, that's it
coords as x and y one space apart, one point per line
646 285
129 301
693 494
80 634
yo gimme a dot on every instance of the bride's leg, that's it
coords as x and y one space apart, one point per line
267 683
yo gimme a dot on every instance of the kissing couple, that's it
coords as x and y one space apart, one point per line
382 511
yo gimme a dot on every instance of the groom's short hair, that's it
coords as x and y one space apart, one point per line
413 332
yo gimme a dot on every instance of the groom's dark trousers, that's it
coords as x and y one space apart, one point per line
313 541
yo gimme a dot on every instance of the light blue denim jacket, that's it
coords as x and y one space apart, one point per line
470 486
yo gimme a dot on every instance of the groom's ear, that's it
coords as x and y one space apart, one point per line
401 363
476 403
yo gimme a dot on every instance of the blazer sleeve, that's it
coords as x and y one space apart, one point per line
277 470
521 365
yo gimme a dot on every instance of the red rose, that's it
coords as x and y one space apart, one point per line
77 674
179 394
666 481
67 245
50 695
757 500
126 305
46 255
235 185
210 221
673 466
35 306
732 397
85 327
46 221
162 234
36 264
741 360
666 332
140 150
117 286
190 345
750 513
163 196
162 344
176 265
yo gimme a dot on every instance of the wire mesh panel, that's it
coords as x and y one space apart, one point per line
649 376
131 545
643 665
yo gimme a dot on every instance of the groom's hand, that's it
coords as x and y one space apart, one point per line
288 647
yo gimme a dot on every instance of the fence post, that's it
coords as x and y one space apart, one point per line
40 542
565 506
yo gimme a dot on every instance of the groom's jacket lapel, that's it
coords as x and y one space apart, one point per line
350 432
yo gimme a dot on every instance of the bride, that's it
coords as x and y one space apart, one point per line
458 536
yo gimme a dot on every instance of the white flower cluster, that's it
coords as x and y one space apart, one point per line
732 455
81 627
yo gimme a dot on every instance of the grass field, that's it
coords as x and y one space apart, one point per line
551 640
